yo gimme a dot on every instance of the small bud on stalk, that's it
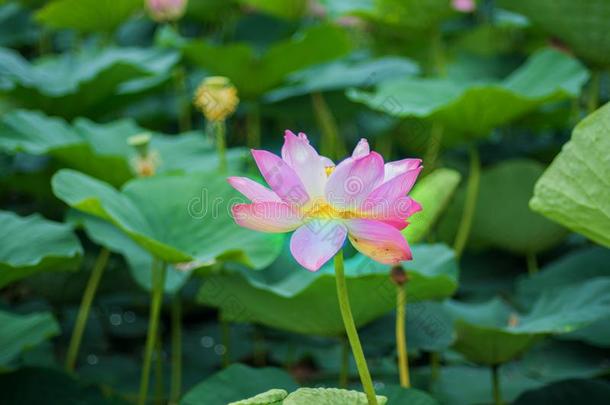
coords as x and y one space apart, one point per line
166 10
146 162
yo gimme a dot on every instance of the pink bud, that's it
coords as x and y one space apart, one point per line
166 10
465 6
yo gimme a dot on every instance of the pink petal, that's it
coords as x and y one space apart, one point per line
353 180
379 241
316 242
254 191
327 162
464 6
306 162
393 169
385 194
270 217
397 212
281 178
362 149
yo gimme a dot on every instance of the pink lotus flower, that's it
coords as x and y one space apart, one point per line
166 10
361 198
465 6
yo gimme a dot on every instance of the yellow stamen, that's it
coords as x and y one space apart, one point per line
329 170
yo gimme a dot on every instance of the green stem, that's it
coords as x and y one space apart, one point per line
344 373
352 332
219 129
435 368
472 192
331 145
593 91
85 308
260 351
495 379
159 386
176 379
225 330
437 55
532 263
433 147
184 103
401 338
384 146
253 125
158 277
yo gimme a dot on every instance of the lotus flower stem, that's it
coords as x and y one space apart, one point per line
495 379
532 263
352 332
253 123
433 147
158 277
219 130
159 385
593 92
401 338
85 307
435 367
184 103
331 141
344 373
176 378
472 192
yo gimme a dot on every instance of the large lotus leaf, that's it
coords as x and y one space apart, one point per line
494 333
87 15
575 189
42 386
473 108
502 218
139 260
254 75
335 396
279 8
354 71
568 392
16 26
411 396
286 296
102 150
81 83
33 244
433 192
583 25
176 218
21 332
237 382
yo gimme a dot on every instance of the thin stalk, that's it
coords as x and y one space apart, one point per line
225 331
260 351
532 263
495 380
85 308
253 125
176 377
219 130
433 147
344 373
593 91
435 368
158 278
472 192
331 145
437 55
182 93
384 146
352 332
401 338
159 386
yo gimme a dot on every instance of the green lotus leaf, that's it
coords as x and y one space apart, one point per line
575 190
353 71
84 83
286 296
411 396
87 15
279 8
471 109
503 218
433 192
493 333
271 397
254 75
177 218
567 392
21 332
237 382
102 150
329 396
33 244
580 24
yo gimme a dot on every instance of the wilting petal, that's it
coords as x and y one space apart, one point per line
316 242
393 169
254 191
385 194
397 212
270 217
379 241
353 180
362 149
306 162
281 178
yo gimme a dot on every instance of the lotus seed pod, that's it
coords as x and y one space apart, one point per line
216 97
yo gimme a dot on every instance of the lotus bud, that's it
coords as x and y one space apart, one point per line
464 6
217 98
146 162
166 10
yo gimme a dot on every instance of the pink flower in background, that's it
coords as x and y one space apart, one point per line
465 6
361 198
166 10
